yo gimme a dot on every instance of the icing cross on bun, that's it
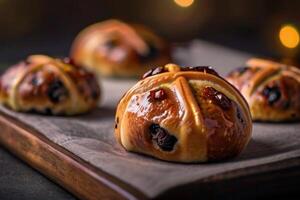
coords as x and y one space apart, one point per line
184 115
272 89
115 48
46 85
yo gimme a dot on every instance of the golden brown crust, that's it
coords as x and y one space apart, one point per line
183 116
114 48
51 86
271 89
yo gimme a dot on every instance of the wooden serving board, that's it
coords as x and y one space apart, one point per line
81 154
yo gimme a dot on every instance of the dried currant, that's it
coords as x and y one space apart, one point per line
239 116
154 71
148 73
217 97
158 94
57 91
95 92
34 80
206 69
117 122
110 44
272 94
162 138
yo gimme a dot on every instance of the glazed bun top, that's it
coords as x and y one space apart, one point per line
47 85
272 89
115 48
183 114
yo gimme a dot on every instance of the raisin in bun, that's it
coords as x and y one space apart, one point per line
51 86
183 115
272 89
114 48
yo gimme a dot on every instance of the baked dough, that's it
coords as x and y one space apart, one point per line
117 49
272 89
184 115
46 85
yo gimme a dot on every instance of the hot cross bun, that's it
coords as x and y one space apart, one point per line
117 49
184 115
46 85
272 89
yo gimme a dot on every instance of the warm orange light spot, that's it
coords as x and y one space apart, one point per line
184 3
289 36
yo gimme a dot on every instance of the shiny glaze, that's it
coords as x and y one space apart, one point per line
145 112
46 82
116 48
223 121
192 111
42 83
271 89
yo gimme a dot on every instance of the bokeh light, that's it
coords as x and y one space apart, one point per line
184 3
289 36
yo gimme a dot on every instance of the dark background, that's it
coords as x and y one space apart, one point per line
40 26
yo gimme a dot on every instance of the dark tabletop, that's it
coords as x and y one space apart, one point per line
20 181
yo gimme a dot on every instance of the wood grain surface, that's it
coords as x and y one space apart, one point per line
63 167
80 152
